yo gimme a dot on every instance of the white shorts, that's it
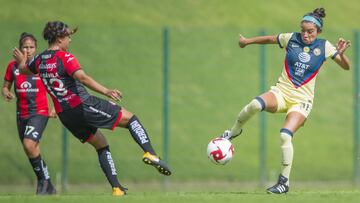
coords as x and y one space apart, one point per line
286 105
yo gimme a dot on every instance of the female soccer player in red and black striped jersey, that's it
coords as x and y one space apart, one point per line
32 111
81 112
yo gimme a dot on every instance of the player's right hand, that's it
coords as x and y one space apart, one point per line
18 55
114 94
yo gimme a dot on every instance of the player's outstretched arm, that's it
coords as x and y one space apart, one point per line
341 59
270 39
86 80
21 62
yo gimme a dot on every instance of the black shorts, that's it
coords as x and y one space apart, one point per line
84 120
32 127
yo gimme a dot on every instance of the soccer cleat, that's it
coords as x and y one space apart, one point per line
279 187
44 187
227 135
155 161
117 191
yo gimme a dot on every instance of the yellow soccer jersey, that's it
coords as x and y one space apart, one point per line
301 66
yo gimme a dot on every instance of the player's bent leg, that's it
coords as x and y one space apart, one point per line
141 137
256 105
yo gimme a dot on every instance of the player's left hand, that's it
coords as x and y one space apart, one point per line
342 45
114 94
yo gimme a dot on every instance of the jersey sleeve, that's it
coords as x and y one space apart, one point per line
283 39
330 50
71 64
9 76
32 65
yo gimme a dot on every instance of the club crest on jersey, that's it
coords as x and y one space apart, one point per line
317 52
304 57
306 49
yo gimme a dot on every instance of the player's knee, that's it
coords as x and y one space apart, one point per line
126 116
31 147
256 105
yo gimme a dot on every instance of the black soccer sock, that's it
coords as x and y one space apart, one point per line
108 166
40 168
140 135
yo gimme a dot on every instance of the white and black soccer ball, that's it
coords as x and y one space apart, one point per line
220 151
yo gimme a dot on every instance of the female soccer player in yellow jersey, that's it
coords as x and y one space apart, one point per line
294 91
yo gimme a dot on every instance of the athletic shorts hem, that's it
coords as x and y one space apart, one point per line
117 121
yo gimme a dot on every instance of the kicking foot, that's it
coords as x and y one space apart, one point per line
227 135
155 161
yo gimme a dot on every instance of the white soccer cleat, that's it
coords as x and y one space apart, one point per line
227 135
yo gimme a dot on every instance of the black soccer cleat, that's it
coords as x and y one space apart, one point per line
155 161
44 187
280 187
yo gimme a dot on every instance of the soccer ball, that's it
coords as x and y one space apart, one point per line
220 151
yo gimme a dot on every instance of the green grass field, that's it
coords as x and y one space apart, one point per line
206 197
119 44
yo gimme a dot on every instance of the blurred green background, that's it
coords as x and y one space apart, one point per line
119 44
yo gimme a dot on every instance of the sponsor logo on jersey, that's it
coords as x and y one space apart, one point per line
294 45
17 72
304 57
300 68
26 87
67 55
48 66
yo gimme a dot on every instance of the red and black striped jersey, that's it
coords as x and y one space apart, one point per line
29 90
56 69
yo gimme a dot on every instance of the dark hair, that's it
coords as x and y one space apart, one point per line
24 36
319 14
56 29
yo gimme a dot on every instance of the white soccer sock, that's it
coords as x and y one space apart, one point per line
287 152
245 114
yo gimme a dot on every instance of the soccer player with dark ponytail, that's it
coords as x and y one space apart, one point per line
293 94
81 112
31 112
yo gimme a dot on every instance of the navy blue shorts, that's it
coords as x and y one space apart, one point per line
84 120
32 127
